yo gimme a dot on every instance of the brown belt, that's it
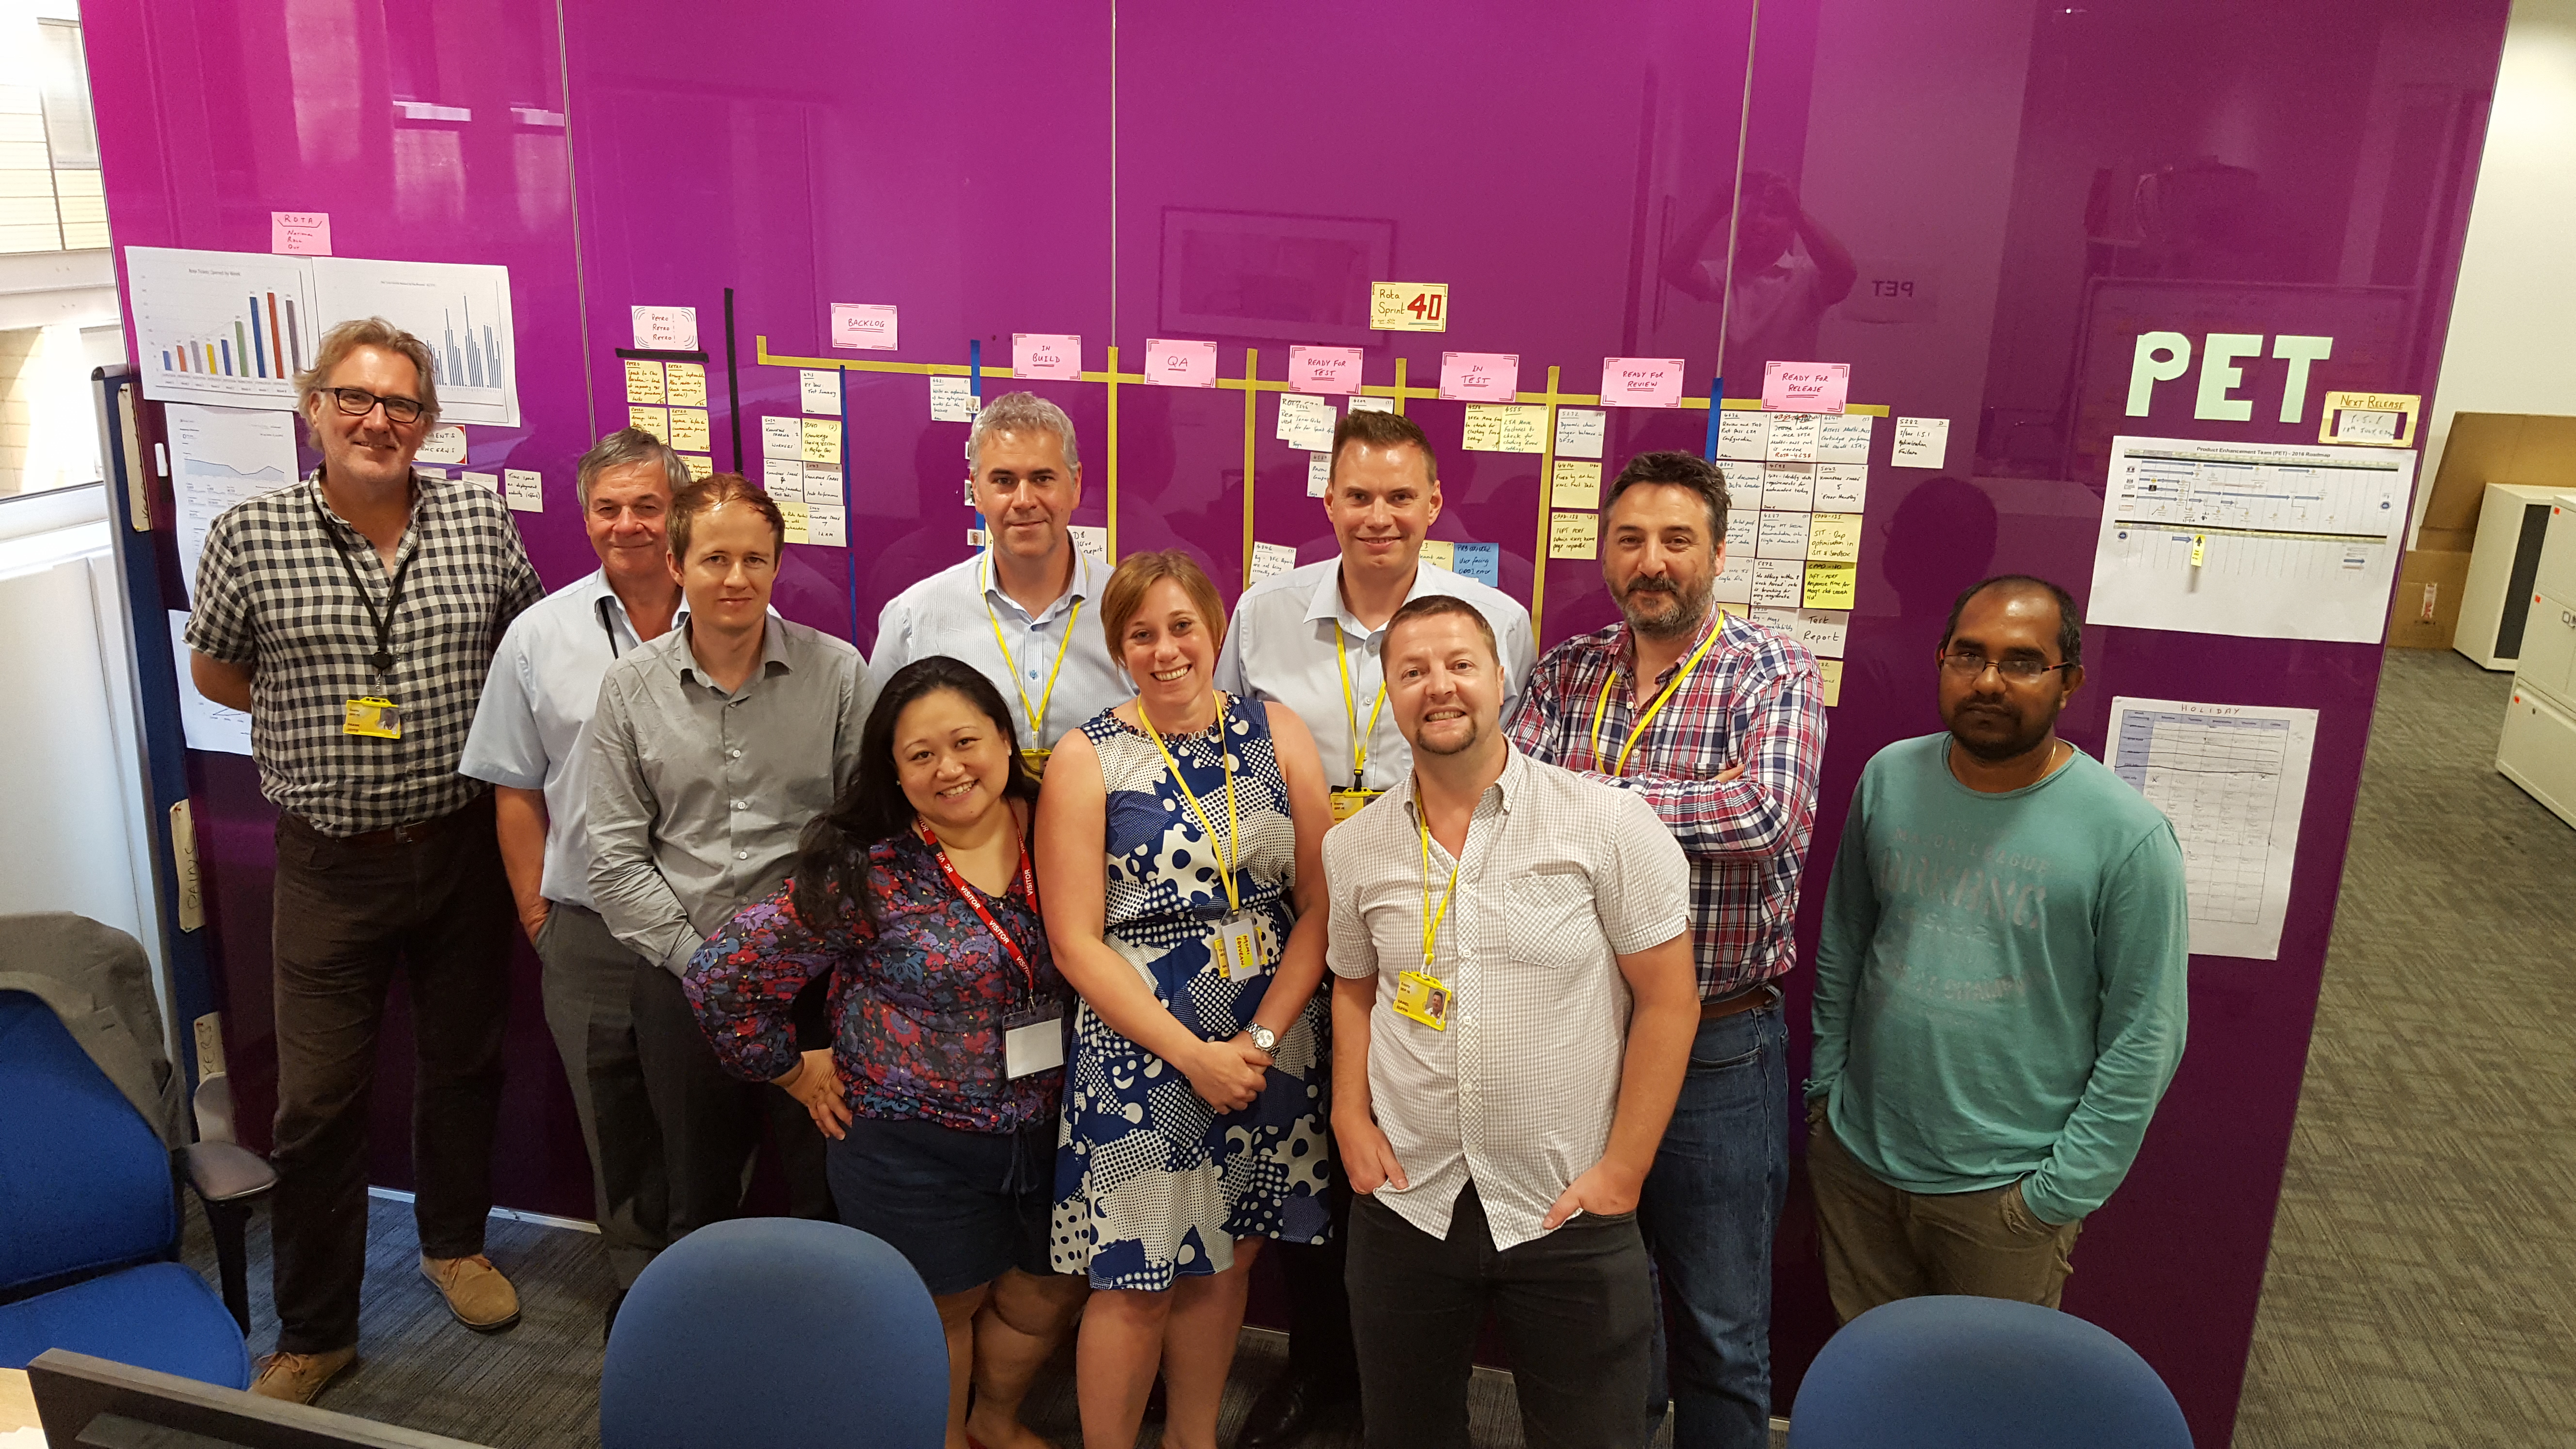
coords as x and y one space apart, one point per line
407 834
1751 998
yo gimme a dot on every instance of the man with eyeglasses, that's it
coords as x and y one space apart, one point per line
2000 987
354 616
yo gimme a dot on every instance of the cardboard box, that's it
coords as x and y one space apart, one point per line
2481 448
2426 611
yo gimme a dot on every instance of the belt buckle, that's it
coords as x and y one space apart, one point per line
407 834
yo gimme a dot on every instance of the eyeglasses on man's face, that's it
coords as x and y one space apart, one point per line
1968 665
357 402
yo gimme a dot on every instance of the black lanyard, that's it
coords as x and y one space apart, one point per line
607 628
382 661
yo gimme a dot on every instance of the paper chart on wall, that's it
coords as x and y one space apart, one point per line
205 724
2233 780
2266 540
460 309
219 457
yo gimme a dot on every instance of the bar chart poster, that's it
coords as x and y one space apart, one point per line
460 309
227 328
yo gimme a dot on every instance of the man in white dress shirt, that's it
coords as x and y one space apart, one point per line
1311 639
1513 1008
526 740
1023 611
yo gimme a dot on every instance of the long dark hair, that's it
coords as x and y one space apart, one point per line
832 854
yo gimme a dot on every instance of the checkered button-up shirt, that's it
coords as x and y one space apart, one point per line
1559 877
273 594
1753 700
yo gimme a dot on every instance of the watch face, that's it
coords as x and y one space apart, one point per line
1264 1038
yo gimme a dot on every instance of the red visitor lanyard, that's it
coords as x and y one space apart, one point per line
975 899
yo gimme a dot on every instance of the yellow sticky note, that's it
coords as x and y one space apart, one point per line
1578 484
793 514
689 430
1830 672
1505 428
643 381
2199 548
1409 306
1573 535
1833 538
656 421
1484 429
1831 586
822 440
1440 553
687 385
698 467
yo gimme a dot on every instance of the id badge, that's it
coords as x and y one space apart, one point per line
1238 946
1347 803
1425 999
376 718
1036 761
1033 1042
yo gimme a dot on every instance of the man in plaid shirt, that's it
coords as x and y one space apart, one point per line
1717 722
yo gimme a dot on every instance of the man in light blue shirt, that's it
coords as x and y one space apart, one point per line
2001 981
1025 611
527 739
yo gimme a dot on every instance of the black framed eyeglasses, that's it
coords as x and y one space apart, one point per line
2014 671
357 402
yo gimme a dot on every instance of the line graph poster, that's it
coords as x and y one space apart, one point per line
233 328
2268 540
218 457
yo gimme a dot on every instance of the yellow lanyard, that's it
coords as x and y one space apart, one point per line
1226 852
1602 702
1351 710
1431 919
1037 712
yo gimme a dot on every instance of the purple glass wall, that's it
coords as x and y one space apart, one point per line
2023 188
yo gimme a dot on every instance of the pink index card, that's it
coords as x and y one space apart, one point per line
1180 364
1805 387
863 324
300 233
1480 376
1334 370
1056 355
1641 382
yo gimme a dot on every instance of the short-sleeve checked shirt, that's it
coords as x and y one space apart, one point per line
273 594
1753 700
1559 878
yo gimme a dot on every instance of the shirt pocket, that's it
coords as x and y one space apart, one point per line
1548 920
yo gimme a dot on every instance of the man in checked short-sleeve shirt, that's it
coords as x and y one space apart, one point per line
1501 1078
1728 759
354 615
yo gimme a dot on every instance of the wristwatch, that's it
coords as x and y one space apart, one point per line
1264 1040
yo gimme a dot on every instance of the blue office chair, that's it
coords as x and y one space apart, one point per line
775 1331
1981 1373
89 1216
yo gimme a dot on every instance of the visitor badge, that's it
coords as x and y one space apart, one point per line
1238 947
1347 803
1033 1042
1036 761
1425 999
373 717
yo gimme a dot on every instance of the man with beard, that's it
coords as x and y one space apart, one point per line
2000 987
1718 723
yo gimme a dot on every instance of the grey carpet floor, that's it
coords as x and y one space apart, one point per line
2422 1284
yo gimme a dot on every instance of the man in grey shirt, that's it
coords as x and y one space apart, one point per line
711 748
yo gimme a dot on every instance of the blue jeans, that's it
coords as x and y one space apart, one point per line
1708 1212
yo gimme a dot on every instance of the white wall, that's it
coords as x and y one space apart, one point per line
2509 349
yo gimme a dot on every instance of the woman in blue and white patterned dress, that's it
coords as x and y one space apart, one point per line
1178 833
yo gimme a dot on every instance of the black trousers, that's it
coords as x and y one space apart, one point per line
711 1121
349 917
1575 1311
590 1007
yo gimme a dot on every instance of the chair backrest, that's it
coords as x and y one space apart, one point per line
85 1182
776 1331
1981 1373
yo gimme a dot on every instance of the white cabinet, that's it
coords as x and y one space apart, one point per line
2548 662
2538 748
2556 575
2504 565
2538 751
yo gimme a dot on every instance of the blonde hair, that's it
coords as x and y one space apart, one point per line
1124 594
348 337
711 492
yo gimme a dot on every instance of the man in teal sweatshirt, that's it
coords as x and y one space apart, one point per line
2000 988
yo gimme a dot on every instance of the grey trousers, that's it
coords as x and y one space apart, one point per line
588 989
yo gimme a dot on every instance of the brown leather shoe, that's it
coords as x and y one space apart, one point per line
476 1292
297 1377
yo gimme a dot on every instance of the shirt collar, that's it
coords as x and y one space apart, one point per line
1623 643
773 651
596 587
1083 586
1507 786
1326 602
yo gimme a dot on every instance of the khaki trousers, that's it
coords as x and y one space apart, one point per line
1883 1243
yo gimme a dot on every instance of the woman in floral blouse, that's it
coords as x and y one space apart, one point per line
916 896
